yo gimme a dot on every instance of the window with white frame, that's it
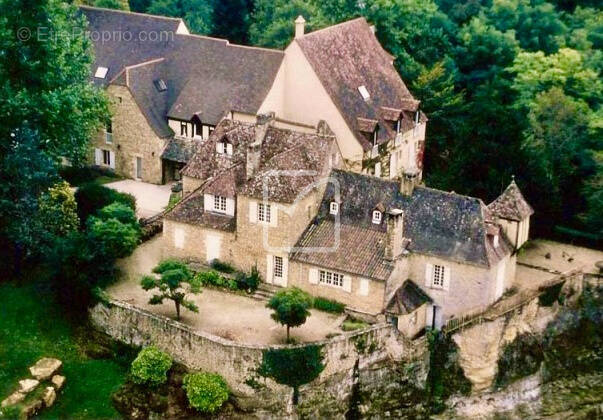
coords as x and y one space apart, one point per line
278 267
106 157
109 132
438 276
376 217
334 208
219 204
330 278
264 212
183 129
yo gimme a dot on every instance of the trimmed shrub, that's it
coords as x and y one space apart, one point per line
213 278
151 366
221 266
248 282
328 305
206 392
119 211
353 325
92 197
81 175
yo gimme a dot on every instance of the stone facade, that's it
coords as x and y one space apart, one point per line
133 138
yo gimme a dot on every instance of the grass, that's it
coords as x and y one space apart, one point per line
32 327
353 325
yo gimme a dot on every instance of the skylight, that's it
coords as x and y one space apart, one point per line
160 85
364 93
101 72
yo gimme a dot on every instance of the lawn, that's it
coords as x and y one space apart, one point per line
31 327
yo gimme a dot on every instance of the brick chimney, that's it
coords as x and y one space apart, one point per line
254 150
408 181
394 234
300 26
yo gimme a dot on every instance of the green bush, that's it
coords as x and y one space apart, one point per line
119 211
249 281
206 392
221 266
80 175
328 305
92 197
353 325
213 278
151 366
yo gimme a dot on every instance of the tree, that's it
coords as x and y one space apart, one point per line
231 20
171 282
198 14
272 21
58 210
206 392
593 194
291 307
113 238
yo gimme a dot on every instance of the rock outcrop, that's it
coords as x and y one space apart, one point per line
45 368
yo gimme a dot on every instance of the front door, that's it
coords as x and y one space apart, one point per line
138 168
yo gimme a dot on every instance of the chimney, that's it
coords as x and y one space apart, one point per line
394 234
300 26
408 181
254 150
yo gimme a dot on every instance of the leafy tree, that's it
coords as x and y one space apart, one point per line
92 197
120 212
57 208
461 11
112 4
593 194
206 392
272 21
291 307
173 276
151 366
198 14
293 367
231 20
140 6
337 11
113 238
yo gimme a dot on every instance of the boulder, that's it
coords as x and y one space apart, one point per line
58 381
45 368
13 399
49 396
27 385
31 409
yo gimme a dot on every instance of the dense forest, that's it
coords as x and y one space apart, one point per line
511 87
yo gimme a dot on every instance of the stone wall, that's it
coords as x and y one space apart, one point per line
236 362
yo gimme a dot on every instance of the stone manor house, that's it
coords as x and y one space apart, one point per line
304 163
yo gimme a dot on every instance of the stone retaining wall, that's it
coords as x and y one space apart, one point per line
236 362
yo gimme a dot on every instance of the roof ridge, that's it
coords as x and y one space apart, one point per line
144 63
130 12
346 22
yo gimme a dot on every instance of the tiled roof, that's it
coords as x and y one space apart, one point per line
511 204
347 56
180 150
190 210
437 223
205 76
360 251
407 298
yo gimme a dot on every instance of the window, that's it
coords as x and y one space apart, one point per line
495 241
364 93
278 267
264 212
376 217
220 147
160 85
106 157
220 204
438 276
229 149
398 126
211 129
109 133
334 207
101 72
183 128
330 279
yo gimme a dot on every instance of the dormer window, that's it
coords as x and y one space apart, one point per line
160 85
334 208
219 204
364 93
101 72
377 217
223 147
495 240
183 128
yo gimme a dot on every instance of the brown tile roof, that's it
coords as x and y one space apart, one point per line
347 56
190 210
366 125
360 250
511 204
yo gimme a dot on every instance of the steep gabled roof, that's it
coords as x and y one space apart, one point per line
348 56
205 76
438 223
511 204
407 298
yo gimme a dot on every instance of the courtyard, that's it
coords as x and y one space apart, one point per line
236 317
150 198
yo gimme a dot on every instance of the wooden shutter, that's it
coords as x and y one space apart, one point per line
428 274
446 278
269 271
253 212
285 271
347 283
313 276
98 156
273 215
112 159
